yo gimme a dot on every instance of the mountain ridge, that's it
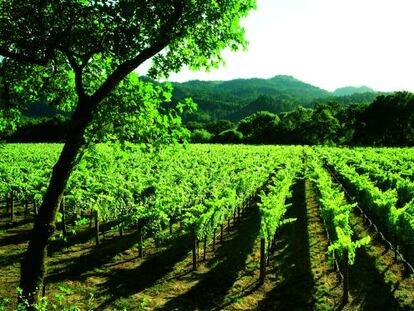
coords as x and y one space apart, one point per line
233 99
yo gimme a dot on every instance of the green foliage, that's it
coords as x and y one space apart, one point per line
392 207
388 121
236 99
350 90
229 137
259 127
48 53
273 204
140 112
58 302
201 136
335 211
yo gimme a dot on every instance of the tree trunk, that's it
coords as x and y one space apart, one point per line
33 265
63 210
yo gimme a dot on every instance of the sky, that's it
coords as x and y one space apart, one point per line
327 43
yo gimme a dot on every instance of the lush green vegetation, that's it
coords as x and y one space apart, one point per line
359 119
79 56
67 75
221 105
200 194
387 121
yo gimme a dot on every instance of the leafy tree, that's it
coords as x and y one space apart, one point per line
82 51
323 128
388 121
260 127
229 137
201 136
216 127
290 129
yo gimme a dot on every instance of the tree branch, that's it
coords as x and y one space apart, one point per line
27 59
80 90
128 66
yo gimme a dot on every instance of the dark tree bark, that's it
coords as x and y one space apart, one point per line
33 264
63 211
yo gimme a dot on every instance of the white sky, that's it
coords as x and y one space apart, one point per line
328 43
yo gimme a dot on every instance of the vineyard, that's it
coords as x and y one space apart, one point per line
213 227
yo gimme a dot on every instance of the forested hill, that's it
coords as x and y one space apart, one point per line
349 90
235 99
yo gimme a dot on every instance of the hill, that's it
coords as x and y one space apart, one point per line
233 99
350 90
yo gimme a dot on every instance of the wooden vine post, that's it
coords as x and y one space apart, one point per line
194 247
26 208
395 246
205 247
262 261
346 277
221 233
140 238
35 208
11 206
214 239
96 227
91 216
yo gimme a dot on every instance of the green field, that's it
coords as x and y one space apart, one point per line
216 227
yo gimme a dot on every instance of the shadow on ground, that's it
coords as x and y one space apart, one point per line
211 291
367 285
123 283
291 268
78 268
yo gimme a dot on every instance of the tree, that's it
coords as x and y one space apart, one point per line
260 127
388 121
218 126
201 136
229 137
94 45
323 128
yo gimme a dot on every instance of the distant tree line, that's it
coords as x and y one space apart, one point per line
387 121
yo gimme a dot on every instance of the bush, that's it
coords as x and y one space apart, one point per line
229 137
201 136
